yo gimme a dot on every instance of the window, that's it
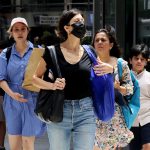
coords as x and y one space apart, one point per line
143 21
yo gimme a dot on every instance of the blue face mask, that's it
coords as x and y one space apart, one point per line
79 29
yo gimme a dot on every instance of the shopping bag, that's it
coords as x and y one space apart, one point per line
31 68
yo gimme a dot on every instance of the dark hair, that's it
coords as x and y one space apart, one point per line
64 20
139 49
110 32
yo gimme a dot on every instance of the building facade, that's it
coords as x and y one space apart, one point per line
131 18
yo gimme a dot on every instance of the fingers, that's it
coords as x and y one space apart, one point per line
117 84
102 69
59 83
19 97
99 61
23 100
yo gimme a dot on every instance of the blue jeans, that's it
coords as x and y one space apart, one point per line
78 123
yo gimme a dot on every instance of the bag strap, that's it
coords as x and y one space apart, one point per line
120 70
8 53
119 64
52 52
90 53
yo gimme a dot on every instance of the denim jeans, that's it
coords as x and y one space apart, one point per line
78 123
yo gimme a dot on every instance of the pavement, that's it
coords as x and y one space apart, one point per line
40 143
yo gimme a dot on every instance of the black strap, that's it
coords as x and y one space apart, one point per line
54 59
8 53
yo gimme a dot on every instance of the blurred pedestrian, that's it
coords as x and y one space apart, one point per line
21 122
114 133
139 55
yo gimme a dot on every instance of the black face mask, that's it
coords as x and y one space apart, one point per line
79 29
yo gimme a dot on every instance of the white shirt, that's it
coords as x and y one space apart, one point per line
144 113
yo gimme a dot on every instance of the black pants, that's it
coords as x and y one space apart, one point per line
141 136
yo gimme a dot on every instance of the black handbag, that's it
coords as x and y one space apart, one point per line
49 106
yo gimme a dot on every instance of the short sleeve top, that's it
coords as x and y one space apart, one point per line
13 71
77 75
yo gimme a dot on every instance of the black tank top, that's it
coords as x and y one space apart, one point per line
77 75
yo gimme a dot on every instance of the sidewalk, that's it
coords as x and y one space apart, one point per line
40 143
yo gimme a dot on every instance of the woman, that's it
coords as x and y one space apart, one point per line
113 133
22 123
75 64
139 55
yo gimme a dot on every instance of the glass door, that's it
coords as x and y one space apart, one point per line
143 21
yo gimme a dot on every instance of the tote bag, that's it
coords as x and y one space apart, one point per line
102 91
31 68
49 105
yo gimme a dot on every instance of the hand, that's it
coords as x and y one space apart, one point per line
102 68
117 85
19 97
120 88
59 84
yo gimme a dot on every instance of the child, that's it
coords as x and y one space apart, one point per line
138 59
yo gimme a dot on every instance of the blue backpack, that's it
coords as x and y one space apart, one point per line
102 91
131 108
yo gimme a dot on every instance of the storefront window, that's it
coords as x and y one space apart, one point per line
143 26
42 16
110 12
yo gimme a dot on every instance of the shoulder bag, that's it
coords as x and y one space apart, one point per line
49 106
102 91
130 103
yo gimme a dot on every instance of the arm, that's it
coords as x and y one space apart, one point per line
40 83
126 87
14 95
3 79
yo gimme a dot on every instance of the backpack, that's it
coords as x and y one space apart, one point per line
131 108
102 91
8 53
